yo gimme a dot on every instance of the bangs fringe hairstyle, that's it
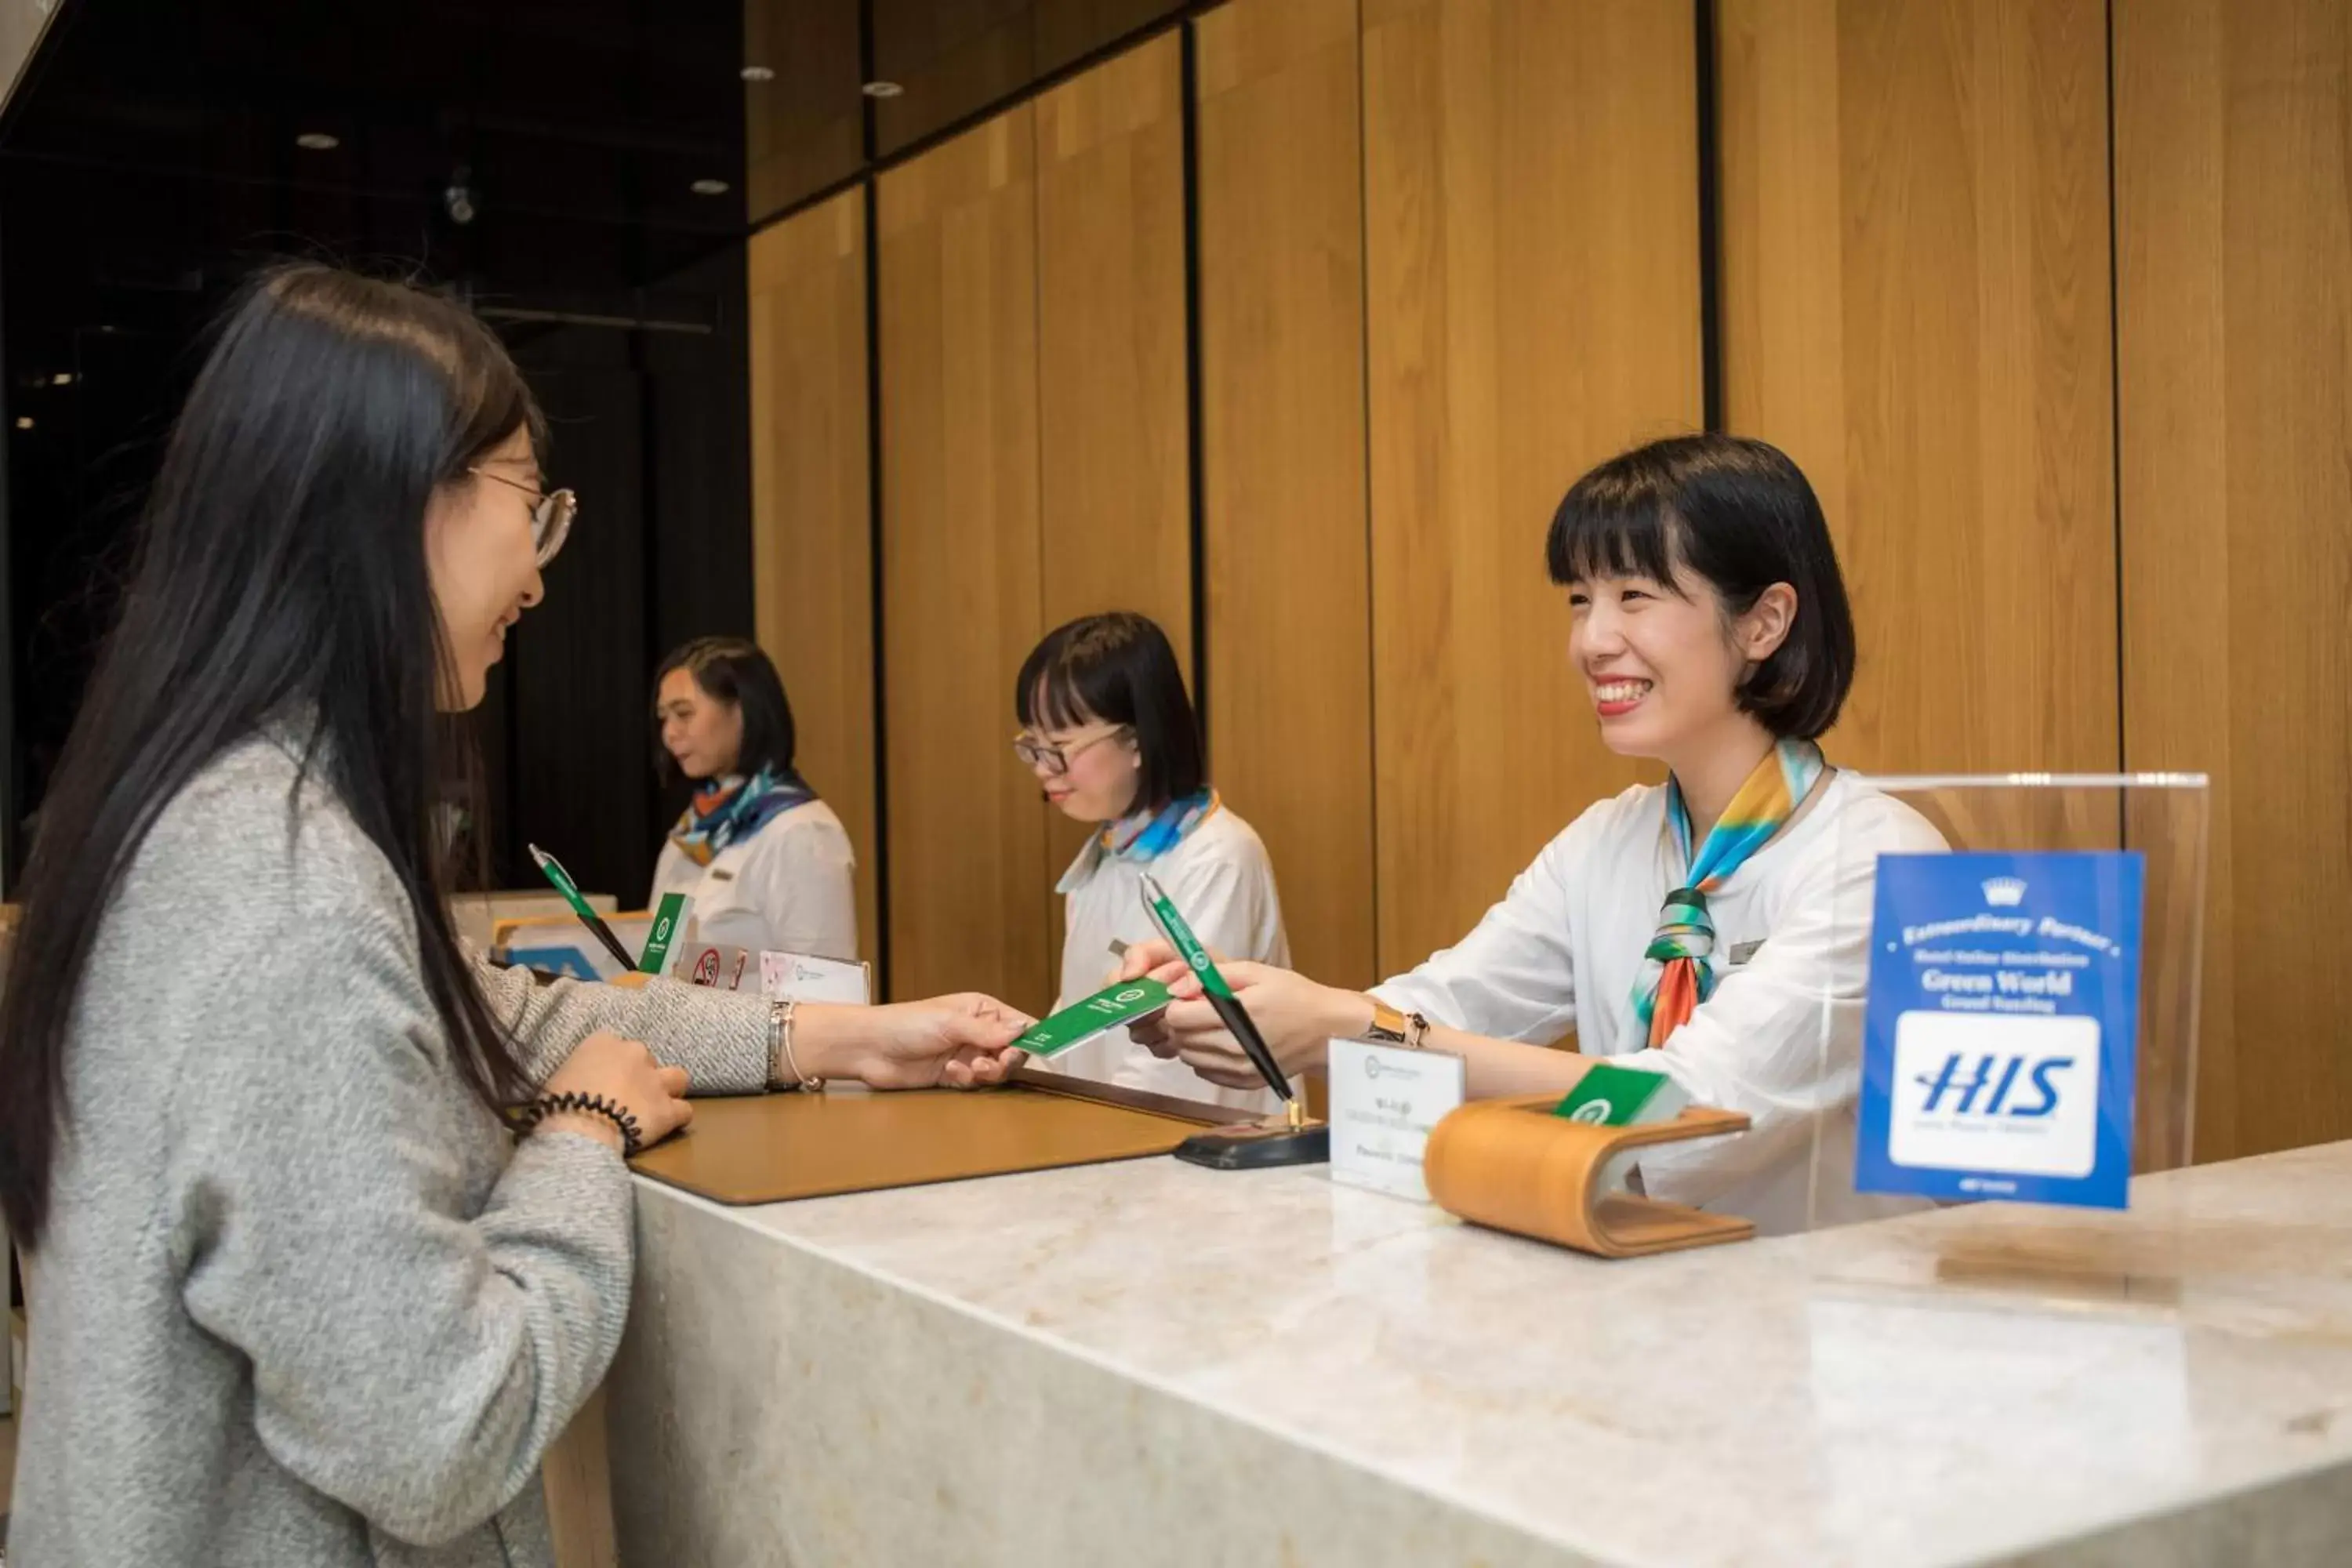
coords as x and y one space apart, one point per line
280 587
1120 670
1738 514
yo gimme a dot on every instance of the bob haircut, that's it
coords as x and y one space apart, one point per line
1739 515
737 672
1119 668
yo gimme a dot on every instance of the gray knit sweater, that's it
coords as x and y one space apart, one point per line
301 1299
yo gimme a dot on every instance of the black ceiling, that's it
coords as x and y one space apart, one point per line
577 127
576 130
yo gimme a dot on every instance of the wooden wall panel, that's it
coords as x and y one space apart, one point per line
1289 684
1113 421
1532 289
1116 496
958 296
2234 220
812 539
1915 308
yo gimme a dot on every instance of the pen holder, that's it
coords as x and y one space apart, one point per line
1513 1165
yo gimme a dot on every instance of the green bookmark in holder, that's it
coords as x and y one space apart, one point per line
667 917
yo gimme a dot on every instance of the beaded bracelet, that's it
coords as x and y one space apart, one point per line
528 1118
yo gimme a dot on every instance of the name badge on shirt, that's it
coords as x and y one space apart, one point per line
1741 951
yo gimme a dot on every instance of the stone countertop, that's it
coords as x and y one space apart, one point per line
2173 1384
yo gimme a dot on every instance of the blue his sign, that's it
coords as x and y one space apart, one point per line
1998 1040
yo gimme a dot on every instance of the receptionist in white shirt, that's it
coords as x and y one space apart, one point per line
1705 928
1108 728
767 863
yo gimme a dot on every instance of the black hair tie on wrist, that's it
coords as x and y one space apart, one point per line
528 1118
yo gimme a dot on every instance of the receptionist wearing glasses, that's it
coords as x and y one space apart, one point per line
1108 731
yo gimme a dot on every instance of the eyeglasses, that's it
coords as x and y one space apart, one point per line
550 514
1054 759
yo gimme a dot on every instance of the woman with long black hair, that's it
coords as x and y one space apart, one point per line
298 1293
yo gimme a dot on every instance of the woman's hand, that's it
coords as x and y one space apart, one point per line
624 1072
963 1042
1295 1016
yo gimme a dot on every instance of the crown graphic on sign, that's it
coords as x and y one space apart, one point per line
2004 892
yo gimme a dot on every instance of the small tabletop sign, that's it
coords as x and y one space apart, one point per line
1384 1101
799 977
1998 1053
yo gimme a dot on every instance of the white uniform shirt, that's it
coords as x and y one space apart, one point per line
789 888
1221 880
1563 949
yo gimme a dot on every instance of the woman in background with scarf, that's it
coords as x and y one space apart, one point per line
767 863
1108 728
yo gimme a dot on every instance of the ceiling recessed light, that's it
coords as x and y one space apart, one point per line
63 378
24 421
317 141
758 73
709 187
883 90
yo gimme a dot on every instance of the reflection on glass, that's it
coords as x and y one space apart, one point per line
803 113
952 58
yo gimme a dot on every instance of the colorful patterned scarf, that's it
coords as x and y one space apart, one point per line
1147 834
1677 974
730 809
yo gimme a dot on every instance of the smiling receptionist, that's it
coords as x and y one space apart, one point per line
767 863
1700 923
1108 731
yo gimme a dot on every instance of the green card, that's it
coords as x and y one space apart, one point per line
1611 1096
666 923
1112 1007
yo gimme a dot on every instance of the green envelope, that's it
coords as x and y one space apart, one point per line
1112 1007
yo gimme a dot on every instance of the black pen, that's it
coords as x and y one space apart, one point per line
1221 997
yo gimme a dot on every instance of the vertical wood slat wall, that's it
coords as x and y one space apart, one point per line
1916 309
1531 203
2233 208
1283 454
960 552
811 508
2081 437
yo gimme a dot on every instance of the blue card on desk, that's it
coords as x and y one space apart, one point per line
569 961
1999 1038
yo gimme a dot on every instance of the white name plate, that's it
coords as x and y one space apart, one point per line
797 977
1384 1101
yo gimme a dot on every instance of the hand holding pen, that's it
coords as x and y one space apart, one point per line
1296 1017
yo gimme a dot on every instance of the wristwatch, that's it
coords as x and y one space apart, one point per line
1410 1030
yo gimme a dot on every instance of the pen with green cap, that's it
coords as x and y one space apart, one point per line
552 869
1220 996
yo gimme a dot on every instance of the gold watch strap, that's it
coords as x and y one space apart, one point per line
1388 1024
